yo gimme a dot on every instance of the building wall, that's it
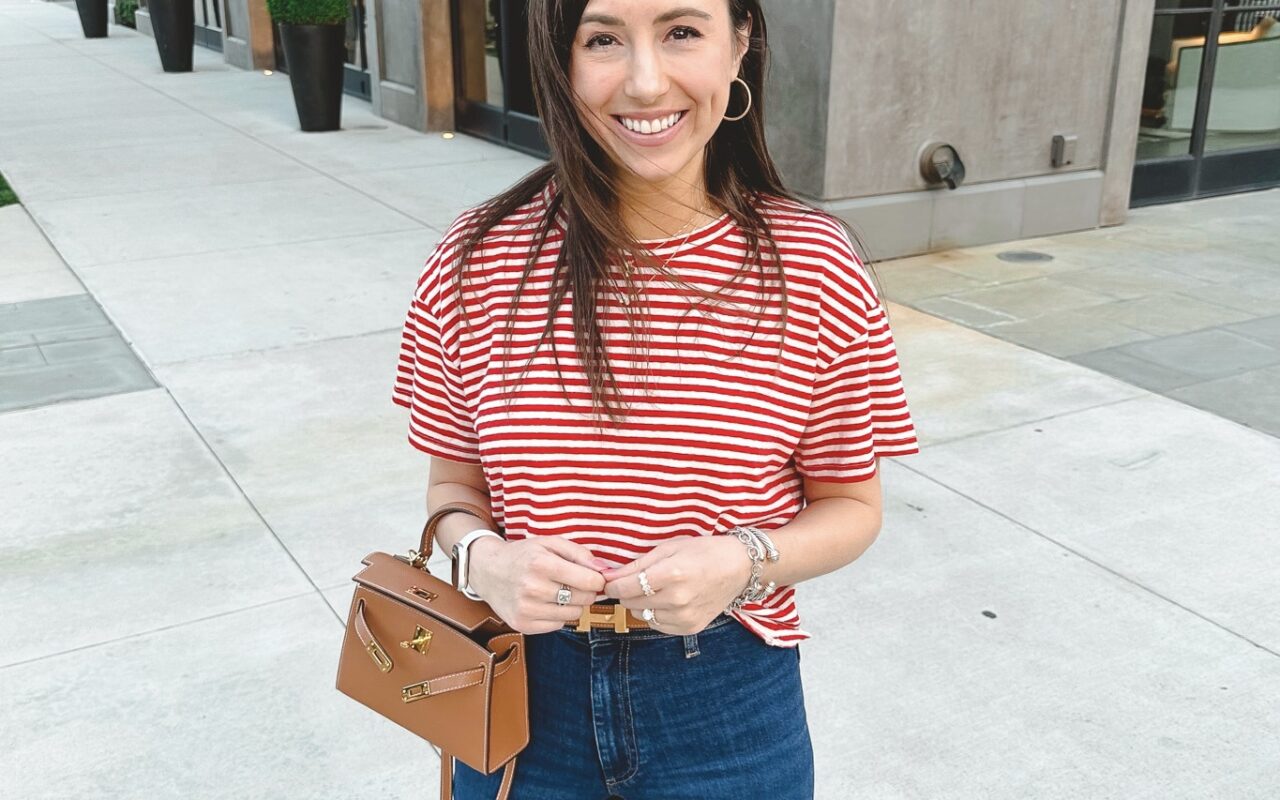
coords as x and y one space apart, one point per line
996 79
797 90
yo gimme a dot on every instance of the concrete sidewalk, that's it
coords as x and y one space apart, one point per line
1074 594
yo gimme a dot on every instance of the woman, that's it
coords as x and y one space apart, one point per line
654 505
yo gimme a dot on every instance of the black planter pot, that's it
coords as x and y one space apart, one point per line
315 55
173 24
93 18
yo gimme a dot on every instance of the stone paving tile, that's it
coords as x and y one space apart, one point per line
1207 354
1263 329
963 312
52 383
1030 298
1250 398
1166 314
1066 333
51 314
20 358
63 348
1134 370
1258 296
85 350
1131 281
910 280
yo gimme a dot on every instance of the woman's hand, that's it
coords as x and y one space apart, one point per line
519 580
693 579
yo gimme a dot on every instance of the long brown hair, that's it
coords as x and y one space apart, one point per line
739 173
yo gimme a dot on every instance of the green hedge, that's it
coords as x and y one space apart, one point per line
308 12
7 197
124 13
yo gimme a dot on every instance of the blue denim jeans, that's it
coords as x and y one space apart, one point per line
647 715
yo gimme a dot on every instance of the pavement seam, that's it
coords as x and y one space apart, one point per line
269 145
161 629
1133 582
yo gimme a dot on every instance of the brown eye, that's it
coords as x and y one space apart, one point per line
593 42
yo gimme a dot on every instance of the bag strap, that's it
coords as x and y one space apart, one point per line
446 777
426 543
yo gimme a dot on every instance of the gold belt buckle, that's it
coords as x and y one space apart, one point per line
617 615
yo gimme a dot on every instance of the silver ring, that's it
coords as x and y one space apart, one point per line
563 596
648 616
644 584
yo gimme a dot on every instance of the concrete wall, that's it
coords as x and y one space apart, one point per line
994 78
797 90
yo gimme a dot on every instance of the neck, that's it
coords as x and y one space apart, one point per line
660 211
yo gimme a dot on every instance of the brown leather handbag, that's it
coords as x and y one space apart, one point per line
439 664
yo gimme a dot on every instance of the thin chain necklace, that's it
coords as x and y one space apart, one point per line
631 295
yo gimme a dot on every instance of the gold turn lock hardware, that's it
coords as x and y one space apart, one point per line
378 655
425 594
617 617
415 691
421 640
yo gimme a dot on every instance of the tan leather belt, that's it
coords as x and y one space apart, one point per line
614 616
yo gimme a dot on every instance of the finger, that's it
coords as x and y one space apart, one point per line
577 553
629 588
643 562
570 611
575 576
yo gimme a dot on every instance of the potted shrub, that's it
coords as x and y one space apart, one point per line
173 24
313 34
93 18
125 10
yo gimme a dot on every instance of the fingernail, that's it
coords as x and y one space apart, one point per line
602 564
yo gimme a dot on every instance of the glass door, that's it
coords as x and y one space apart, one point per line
494 88
1210 119
208 24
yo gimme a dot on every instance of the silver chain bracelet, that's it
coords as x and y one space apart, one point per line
759 546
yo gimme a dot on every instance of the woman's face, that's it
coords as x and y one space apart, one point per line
649 61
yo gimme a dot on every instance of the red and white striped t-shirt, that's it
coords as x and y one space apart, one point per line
724 433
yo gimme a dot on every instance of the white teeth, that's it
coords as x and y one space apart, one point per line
649 127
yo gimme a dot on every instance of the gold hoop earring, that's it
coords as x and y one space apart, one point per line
748 108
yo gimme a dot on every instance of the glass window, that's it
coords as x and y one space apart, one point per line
1244 108
479 56
1172 82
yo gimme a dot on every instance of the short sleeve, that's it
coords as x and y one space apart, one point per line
429 379
858 412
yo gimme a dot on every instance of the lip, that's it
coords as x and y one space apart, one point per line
651 139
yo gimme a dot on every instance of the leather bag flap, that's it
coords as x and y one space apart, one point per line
389 575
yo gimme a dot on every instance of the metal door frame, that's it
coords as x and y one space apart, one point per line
1196 173
505 126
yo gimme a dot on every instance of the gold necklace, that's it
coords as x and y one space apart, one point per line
631 295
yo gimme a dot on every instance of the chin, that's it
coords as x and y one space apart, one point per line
657 172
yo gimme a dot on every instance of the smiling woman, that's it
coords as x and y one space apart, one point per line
711 438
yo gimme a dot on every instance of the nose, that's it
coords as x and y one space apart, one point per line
646 75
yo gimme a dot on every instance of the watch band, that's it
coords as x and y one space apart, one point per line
462 561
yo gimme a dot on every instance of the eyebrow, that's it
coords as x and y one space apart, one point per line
675 13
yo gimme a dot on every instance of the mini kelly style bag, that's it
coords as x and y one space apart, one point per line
446 667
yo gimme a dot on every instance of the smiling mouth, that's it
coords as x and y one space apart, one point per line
650 127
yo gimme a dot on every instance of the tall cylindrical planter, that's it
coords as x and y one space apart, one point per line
173 24
315 55
93 18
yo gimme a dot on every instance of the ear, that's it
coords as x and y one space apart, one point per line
744 42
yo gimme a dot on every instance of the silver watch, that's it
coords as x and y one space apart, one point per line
462 561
